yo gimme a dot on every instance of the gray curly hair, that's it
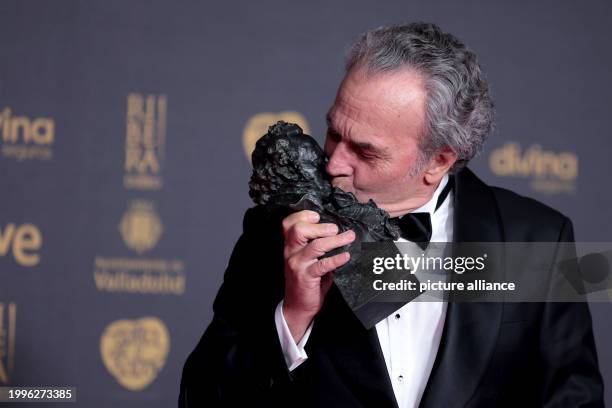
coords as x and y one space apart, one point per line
459 112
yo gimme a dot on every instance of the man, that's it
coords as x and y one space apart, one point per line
412 109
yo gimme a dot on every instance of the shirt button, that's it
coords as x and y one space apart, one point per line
400 378
397 315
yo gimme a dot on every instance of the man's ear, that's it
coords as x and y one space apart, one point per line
439 165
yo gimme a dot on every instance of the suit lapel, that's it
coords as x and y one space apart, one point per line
470 329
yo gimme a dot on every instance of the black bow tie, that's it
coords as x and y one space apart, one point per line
416 227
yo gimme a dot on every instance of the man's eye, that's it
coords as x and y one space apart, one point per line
366 155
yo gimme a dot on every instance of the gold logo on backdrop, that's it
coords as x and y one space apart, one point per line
134 351
257 126
24 138
549 172
141 229
145 141
8 322
24 241
140 226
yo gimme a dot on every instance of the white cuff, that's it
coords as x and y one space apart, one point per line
294 353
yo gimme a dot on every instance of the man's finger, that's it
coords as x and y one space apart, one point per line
300 216
302 232
319 247
325 265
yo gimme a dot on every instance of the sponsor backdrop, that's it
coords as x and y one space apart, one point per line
125 131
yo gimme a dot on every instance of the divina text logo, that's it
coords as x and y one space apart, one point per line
548 171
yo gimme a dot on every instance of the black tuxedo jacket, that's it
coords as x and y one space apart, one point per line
491 354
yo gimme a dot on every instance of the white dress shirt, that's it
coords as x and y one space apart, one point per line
409 337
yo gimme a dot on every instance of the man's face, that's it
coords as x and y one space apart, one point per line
373 135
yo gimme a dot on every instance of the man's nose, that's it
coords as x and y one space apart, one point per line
339 162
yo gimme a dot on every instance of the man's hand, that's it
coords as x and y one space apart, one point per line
307 278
